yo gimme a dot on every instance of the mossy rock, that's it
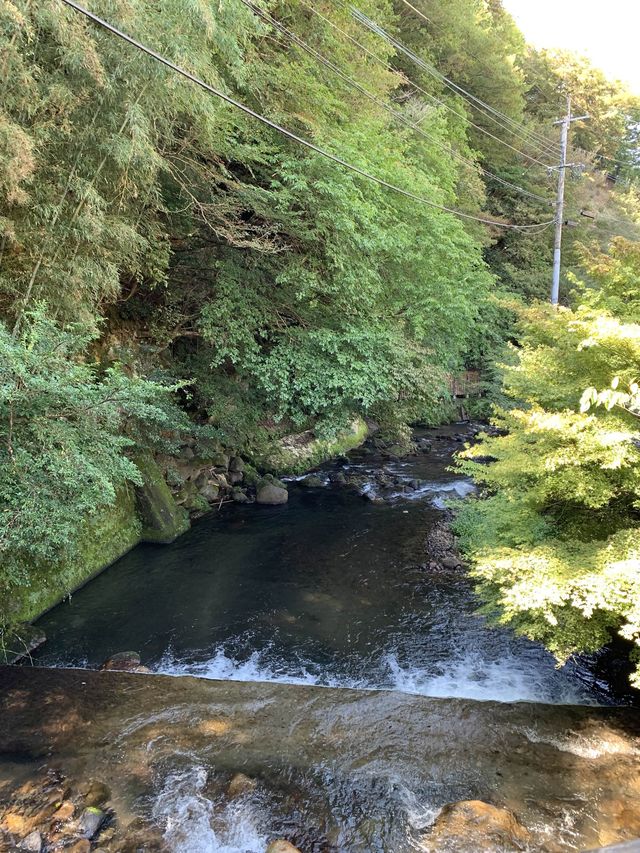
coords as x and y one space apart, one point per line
162 519
103 538
296 454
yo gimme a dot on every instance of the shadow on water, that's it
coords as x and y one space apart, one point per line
330 589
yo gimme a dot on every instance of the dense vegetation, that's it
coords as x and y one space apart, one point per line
167 261
556 545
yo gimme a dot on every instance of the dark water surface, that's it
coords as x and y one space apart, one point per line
330 589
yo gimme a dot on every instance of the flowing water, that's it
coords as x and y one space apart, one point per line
331 589
294 618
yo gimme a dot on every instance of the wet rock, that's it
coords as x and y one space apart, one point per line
237 464
372 497
65 811
471 826
122 662
338 478
82 845
32 843
96 793
281 846
397 451
271 494
312 482
241 784
141 837
90 821
424 445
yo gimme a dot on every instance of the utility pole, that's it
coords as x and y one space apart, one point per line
557 243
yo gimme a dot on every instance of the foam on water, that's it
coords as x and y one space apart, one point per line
193 823
470 676
466 676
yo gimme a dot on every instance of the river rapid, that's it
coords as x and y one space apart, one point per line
340 667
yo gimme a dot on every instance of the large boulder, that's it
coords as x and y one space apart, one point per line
272 494
162 519
472 826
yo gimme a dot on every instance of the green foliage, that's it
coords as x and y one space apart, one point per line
556 543
65 427
166 230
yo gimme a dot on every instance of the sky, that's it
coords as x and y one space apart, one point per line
607 32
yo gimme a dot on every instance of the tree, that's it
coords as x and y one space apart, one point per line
555 543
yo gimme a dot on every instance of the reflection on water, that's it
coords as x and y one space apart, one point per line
331 589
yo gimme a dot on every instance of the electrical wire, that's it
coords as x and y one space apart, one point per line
503 121
289 134
540 136
419 88
354 84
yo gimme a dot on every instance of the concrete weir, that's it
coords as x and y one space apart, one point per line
339 769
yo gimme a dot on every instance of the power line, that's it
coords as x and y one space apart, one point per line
419 88
503 121
354 84
533 133
300 140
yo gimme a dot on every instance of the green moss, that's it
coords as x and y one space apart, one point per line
103 539
147 513
162 519
300 453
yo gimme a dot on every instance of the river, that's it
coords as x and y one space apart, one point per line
339 666
331 589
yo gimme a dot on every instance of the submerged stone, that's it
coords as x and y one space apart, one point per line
281 846
241 784
122 662
471 826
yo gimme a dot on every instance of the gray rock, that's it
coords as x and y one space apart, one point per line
32 843
338 478
90 821
210 492
220 460
235 477
237 464
451 562
202 479
270 494
239 496
187 453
